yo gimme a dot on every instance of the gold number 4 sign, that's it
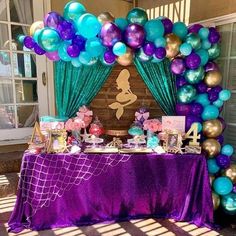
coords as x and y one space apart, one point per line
193 135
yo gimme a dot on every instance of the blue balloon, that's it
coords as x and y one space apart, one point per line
62 51
180 29
210 112
218 103
119 49
224 95
206 44
154 29
76 62
222 185
212 166
160 42
204 56
203 99
36 35
227 150
94 47
85 58
122 23
73 10
88 25
203 33
185 49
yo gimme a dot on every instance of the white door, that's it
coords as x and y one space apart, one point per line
23 86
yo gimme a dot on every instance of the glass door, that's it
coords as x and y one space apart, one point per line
23 88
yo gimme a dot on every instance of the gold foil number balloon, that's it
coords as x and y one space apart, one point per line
212 128
172 45
36 26
126 59
213 78
216 200
231 173
211 146
105 17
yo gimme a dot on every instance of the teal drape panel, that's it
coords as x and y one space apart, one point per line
75 87
161 83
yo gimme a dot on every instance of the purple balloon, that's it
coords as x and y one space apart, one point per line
180 81
196 109
211 66
134 35
160 53
53 19
234 188
182 109
80 41
190 119
110 34
201 87
149 48
214 36
223 161
66 30
29 42
217 88
194 28
177 66
168 25
220 139
38 50
73 50
193 61
53 56
213 95
109 57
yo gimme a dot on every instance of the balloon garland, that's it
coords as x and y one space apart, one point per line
82 39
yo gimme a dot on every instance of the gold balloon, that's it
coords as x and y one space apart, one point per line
212 128
231 172
213 78
172 45
212 178
211 146
35 26
216 200
105 17
126 59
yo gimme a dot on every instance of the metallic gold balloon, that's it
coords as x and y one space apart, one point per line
216 200
212 128
231 172
35 26
126 59
105 17
172 45
211 146
213 78
212 178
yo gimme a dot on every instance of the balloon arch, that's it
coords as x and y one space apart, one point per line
83 39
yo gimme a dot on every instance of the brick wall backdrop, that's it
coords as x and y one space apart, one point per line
107 95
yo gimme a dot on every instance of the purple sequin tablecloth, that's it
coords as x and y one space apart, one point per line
59 190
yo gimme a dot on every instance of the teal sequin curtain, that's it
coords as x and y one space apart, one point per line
161 83
75 87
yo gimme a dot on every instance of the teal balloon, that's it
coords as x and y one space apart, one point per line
203 99
194 76
218 103
203 54
73 10
160 42
21 38
224 95
119 49
206 44
186 94
36 35
62 51
180 29
154 29
156 60
214 51
137 15
85 58
142 56
203 33
94 47
88 25
122 23
227 150
212 166
199 126
49 39
185 49
76 62
194 40
222 185
228 203
210 112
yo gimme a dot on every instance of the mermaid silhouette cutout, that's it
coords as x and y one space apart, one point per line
125 97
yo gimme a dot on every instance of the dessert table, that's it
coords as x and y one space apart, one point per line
60 190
